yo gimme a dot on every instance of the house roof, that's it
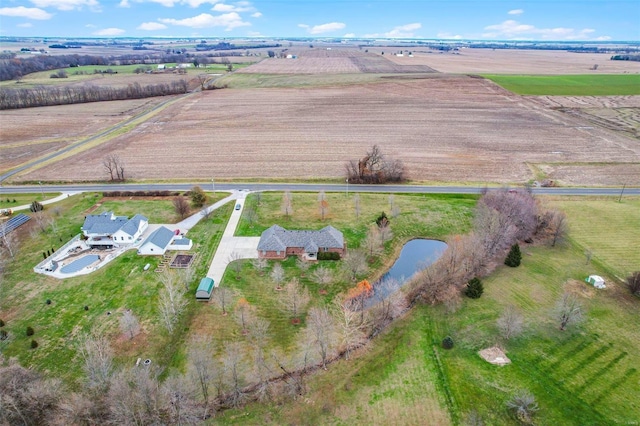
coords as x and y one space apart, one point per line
277 238
133 225
181 241
161 237
107 223
104 223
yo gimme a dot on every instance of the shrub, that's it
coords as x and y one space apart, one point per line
328 255
34 344
48 301
514 257
633 282
86 308
382 220
30 331
36 207
524 406
474 288
447 342
4 335
1 323
198 197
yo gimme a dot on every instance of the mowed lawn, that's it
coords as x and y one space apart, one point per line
570 85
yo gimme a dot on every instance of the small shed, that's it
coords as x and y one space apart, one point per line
204 289
596 280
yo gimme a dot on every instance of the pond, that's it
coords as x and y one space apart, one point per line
415 256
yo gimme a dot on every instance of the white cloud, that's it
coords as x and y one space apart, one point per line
323 28
91 26
25 12
227 20
256 15
516 12
402 31
514 30
449 36
67 4
109 32
25 25
191 3
151 26
124 3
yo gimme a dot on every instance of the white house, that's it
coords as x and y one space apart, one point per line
163 239
107 230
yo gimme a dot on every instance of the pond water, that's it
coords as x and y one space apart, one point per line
415 256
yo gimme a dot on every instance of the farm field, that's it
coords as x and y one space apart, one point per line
29 133
513 61
570 85
444 128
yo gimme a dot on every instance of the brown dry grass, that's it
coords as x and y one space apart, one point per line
443 128
512 61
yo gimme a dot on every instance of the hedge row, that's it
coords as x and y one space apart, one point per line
140 194
328 255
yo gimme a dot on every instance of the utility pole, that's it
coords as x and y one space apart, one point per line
621 192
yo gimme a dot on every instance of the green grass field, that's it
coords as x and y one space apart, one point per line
570 85
7 200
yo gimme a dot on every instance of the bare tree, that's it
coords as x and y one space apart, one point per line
354 264
42 220
236 261
323 205
129 324
633 283
234 368
321 327
287 204
97 355
202 369
568 311
295 299
322 275
186 276
510 322
260 264
244 314
372 243
223 297
178 395
134 396
181 206
262 369
277 274
351 328
303 265
114 166
172 301
8 240
559 227
356 205
389 304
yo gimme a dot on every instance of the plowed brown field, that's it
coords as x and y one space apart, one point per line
443 128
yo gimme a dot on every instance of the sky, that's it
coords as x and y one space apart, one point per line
553 20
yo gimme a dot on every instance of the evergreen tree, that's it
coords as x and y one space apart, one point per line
474 288
514 257
447 342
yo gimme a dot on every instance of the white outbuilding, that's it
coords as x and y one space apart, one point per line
596 280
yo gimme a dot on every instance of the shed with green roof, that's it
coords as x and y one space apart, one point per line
205 289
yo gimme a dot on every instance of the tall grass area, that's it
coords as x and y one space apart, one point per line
570 85
122 284
586 375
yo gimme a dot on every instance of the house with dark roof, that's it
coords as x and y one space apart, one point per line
278 243
107 230
163 239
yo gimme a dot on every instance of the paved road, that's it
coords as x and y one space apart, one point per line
207 186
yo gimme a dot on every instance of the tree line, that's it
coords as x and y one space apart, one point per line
53 95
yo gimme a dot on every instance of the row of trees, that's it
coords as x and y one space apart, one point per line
54 95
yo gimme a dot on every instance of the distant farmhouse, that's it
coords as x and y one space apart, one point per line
107 230
278 243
